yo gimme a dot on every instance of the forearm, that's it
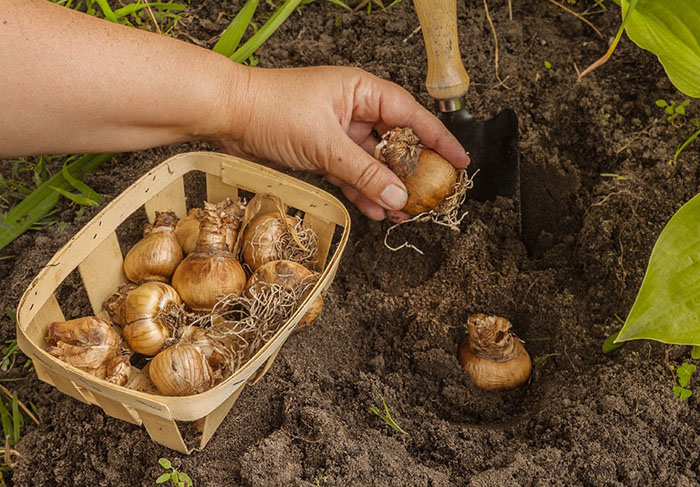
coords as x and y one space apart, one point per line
73 83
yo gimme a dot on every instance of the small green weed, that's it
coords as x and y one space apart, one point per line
386 416
606 115
180 479
10 352
613 175
542 359
692 137
547 65
682 380
163 15
368 5
320 480
673 109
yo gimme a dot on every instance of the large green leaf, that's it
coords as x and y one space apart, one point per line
667 307
671 30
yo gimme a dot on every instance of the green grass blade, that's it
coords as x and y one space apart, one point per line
341 4
685 144
257 40
107 10
6 420
17 420
132 8
76 198
233 34
84 189
42 201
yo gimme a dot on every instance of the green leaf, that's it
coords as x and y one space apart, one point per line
165 463
174 477
682 393
548 65
684 373
84 189
35 207
667 307
685 144
163 478
609 344
695 353
107 10
76 198
185 478
661 103
252 44
344 5
233 34
671 30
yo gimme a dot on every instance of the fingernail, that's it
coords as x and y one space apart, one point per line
394 197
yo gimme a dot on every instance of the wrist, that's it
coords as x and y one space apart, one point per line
230 105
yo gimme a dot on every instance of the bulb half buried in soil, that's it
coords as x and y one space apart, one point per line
492 355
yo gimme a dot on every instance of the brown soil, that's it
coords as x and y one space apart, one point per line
393 321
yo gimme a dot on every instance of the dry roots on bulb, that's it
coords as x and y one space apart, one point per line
191 366
211 270
428 177
156 256
114 306
92 345
268 238
231 214
492 354
293 277
151 312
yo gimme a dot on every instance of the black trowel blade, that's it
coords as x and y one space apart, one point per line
493 149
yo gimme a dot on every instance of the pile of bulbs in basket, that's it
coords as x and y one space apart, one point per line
191 306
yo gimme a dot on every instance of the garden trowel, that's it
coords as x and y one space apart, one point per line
492 144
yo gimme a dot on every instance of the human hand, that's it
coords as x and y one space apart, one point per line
321 120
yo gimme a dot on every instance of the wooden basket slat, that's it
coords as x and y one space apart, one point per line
218 191
102 272
67 386
163 431
211 422
171 198
116 409
305 197
325 231
159 190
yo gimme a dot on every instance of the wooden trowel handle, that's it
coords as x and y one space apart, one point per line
447 79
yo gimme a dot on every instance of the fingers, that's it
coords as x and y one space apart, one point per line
399 109
365 205
353 166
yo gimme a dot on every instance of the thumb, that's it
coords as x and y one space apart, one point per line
374 180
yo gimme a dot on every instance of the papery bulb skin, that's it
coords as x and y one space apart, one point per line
118 370
231 213
492 355
114 306
88 343
261 239
187 230
181 370
145 311
429 178
293 277
211 270
156 256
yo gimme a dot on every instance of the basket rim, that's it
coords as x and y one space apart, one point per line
188 162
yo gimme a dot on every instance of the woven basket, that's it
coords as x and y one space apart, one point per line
95 252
